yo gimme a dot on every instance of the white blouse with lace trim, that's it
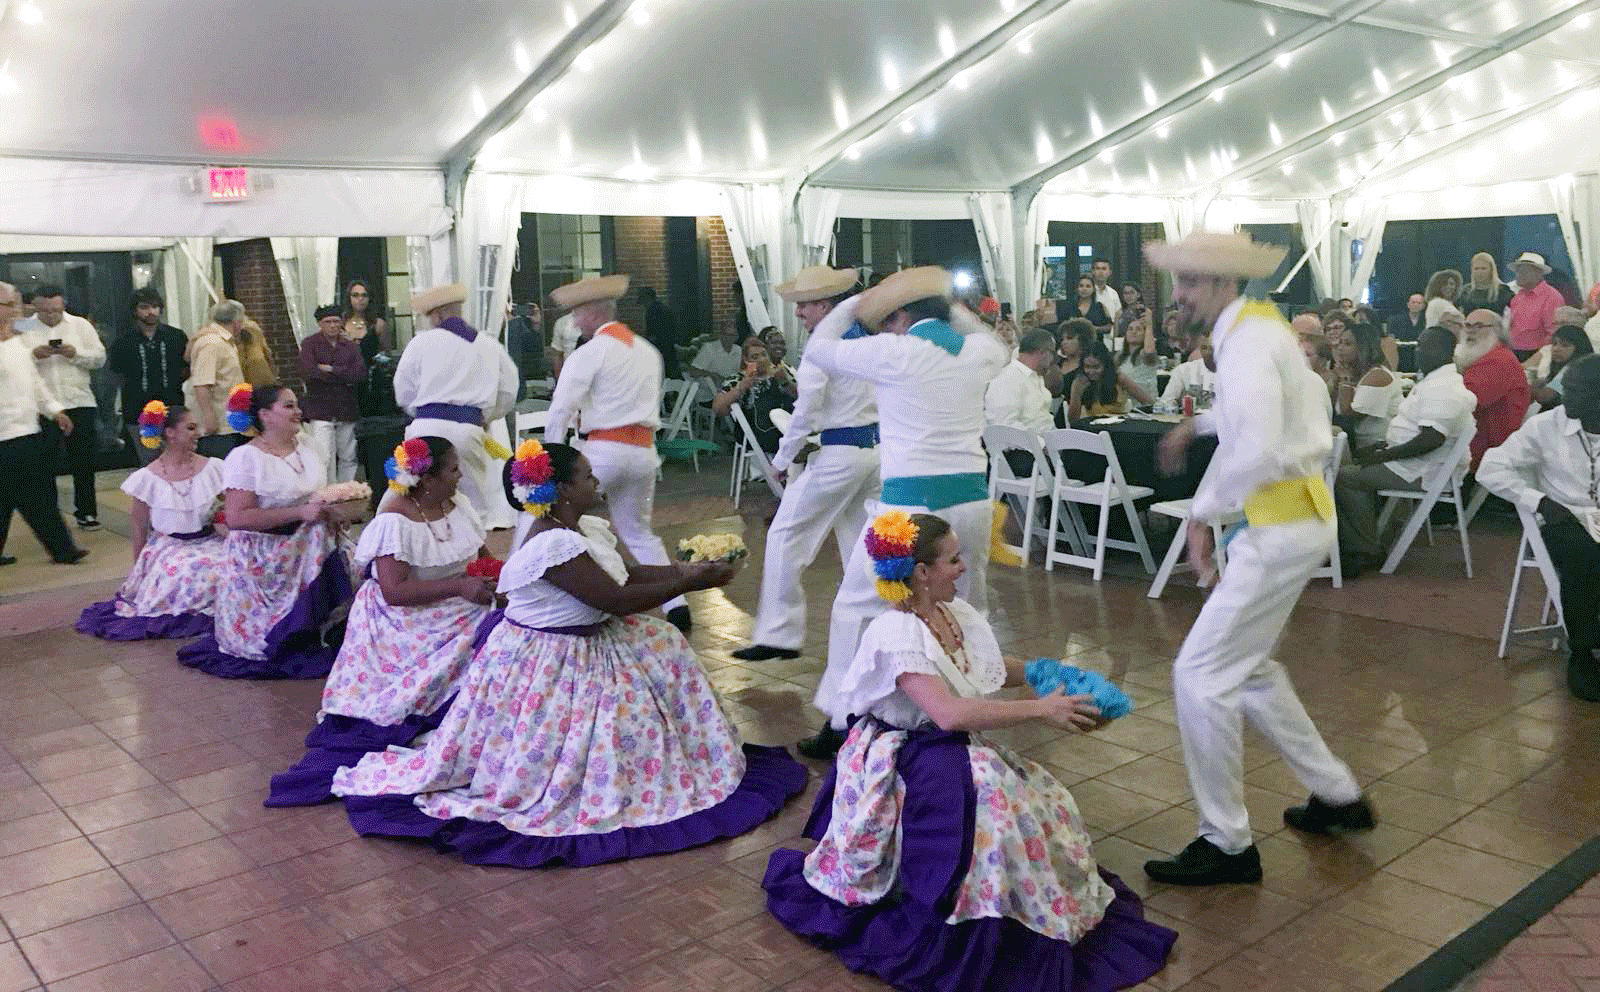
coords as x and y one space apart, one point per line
534 602
897 643
434 550
277 482
178 507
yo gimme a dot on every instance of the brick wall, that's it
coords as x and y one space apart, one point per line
255 281
1150 277
640 248
725 298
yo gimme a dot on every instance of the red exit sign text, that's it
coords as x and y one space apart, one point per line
228 185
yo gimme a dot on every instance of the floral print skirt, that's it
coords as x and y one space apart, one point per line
170 591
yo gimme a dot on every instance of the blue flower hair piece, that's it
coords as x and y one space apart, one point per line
1046 675
544 492
239 421
896 569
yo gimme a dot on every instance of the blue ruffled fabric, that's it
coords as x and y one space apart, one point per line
1046 675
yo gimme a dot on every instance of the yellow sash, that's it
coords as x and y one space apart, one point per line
1290 501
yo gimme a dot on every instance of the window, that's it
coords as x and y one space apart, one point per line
571 247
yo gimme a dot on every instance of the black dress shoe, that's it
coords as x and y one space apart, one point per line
1203 863
679 617
1583 675
73 557
7 560
823 745
760 652
1318 817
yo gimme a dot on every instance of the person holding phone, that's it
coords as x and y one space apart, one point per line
66 349
760 388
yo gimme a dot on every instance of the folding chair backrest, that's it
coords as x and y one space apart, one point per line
1062 440
681 395
1341 444
1000 438
754 452
531 423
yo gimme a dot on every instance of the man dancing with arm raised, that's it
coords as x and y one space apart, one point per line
832 492
1273 440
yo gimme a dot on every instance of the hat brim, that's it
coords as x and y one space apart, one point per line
432 299
906 286
576 294
837 283
1240 260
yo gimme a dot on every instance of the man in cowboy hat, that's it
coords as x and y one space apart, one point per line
832 493
1270 419
612 384
930 367
452 381
1532 311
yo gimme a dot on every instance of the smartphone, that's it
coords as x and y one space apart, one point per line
55 342
1005 311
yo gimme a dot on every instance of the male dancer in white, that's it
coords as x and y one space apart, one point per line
610 390
930 367
832 492
1270 419
454 380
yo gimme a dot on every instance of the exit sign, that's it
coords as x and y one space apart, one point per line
227 185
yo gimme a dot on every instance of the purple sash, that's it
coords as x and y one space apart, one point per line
460 328
203 532
581 630
453 412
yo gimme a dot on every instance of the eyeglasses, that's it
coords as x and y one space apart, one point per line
1482 326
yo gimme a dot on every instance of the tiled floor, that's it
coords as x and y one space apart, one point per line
136 854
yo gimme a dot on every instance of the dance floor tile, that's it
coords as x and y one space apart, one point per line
1483 772
94 943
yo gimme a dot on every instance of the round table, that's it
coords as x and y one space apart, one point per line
1135 441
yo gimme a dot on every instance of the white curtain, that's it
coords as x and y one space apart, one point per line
1316 230
1366 218
1030 233
991 220
819 209
1577 203
309 271
491 214
187 283
753 219
1178 217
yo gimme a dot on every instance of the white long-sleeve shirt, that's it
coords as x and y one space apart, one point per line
1545 457
1441 401
1017 397
611 382
67 378
824 401
1270 423
24 397
440 367
930 402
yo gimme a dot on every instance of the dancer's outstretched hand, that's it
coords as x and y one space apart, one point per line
1174 446
1072 712
1201 552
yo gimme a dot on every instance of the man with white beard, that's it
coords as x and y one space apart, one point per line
1490 369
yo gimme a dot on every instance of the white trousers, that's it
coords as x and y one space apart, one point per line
858 602
480 476
335 441
627 475
829 495
1224 672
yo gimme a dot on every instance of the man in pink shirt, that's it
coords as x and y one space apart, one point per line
1495 377
1533 308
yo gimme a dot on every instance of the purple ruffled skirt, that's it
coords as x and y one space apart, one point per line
170 592
101 620
906 939
340 742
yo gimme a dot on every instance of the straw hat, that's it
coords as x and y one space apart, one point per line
429 300
817 282
905 286
1213 253
590 290
1532 258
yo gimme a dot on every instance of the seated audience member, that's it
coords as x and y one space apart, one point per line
1137 357
1491 370
1132 306
1017 397
944 862
1454 321
412 625
762 388
1074 339
1319 359
178 553
285 573
1430 419
1538 364
1548 468
1198 376
583 732
1408 324
777 350
1368 392
1442 289
1567 344
1101 389
1307 323
718 360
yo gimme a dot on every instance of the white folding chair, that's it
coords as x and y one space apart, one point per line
702 419
749 461
1445 482
1333 570
1111 490
1480 494
1180 510
1023 493
530 424
1532 554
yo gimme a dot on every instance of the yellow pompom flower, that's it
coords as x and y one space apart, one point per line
894 592
895 527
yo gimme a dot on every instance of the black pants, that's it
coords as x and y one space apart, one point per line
1576 557
28 485
80 446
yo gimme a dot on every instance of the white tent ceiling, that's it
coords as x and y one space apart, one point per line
1257 98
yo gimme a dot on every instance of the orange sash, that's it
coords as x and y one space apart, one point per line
637 435
617 329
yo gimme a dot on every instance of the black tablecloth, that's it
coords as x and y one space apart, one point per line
1135 442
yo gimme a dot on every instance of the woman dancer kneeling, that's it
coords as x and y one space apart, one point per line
177 552
582 733
410 631
946 862
285 573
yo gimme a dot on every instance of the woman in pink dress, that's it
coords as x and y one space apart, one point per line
178 552
583 732
286 575
946 862
410 632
